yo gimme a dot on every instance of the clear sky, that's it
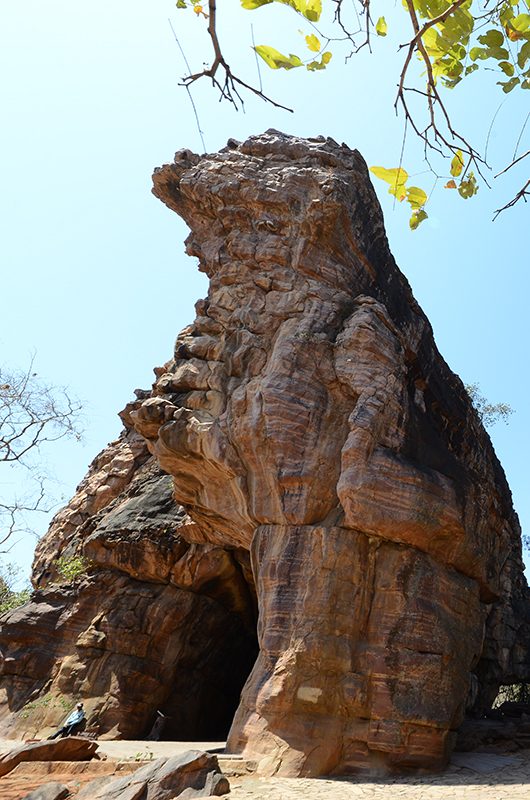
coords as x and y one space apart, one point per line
93 273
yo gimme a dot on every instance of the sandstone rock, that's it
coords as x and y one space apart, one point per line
188 775
71 748
152 615
308 416
49 791
325 464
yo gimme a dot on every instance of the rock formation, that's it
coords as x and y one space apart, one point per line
156 623
307 419
189 775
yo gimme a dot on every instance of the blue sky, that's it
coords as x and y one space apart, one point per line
94 276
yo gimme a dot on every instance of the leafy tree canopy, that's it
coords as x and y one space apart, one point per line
447 42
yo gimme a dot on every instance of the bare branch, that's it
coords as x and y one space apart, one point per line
522 194
515 161
32 414
227 87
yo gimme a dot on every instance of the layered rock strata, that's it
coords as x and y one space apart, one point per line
155 623
321 451
308 416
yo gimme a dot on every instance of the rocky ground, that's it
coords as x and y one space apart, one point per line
491 775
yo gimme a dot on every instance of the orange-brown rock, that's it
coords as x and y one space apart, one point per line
308 416
71 748
320 450
188 775
156 623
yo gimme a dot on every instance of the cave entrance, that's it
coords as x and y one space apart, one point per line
205 696
211 663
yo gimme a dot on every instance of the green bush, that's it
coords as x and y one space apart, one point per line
11 597
72 567
10 600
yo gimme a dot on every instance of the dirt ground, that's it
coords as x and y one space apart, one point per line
475 776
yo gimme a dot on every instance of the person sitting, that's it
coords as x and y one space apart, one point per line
71 723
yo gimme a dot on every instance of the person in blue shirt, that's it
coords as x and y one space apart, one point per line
70 724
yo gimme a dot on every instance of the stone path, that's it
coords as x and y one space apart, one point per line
509 783
508 778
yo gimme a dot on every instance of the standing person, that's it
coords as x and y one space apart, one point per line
72 722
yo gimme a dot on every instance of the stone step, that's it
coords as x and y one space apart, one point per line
94 768
235 766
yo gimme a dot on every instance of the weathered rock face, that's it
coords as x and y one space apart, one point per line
308 417
157 623
189 775
309 424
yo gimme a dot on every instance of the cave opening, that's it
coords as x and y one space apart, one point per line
205 695
211 662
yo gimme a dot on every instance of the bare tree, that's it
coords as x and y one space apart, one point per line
33 414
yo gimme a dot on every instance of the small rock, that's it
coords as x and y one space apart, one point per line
49 791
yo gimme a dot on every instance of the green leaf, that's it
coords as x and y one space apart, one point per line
525 84
471 68
276 60
521 24
500 53
397 179
507 68
493 38
310 9
314 65
181 4
417 218
313 9
313 42
468 186
381 28
252 4
457 164
524 55
507 86
416 197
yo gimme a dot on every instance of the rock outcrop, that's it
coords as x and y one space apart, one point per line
307 419
190 775
71 748
155 623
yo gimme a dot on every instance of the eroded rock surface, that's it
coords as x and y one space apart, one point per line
189 775
308 417
71 748
156 623
322 451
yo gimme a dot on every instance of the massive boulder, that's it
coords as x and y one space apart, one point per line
309 417
308 422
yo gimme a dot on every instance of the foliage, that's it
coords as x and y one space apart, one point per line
490 413
32 415
449 41
143 755
513 693
10 596
47 701
70 568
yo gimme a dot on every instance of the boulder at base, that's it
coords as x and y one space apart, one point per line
49 791
188 775
71 748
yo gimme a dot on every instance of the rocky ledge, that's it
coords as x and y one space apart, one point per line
321 451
